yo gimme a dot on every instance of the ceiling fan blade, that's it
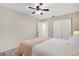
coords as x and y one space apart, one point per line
45 9
31 7
33 12
40 4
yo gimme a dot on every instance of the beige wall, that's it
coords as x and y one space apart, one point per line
14 27
73 16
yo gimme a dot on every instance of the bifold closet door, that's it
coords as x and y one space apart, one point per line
57 29
66 28
62 29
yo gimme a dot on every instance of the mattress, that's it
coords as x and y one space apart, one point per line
57 47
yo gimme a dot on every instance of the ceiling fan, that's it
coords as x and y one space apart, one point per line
37 8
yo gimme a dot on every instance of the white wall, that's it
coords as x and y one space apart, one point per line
14 27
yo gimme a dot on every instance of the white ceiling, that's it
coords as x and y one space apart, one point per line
56 9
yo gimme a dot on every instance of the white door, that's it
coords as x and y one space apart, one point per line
66 28
42 29
62 29
57 29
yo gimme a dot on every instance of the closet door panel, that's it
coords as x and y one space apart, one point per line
57 29
66 28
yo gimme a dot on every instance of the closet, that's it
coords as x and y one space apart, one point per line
62 28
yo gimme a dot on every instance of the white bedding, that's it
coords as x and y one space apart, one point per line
57 47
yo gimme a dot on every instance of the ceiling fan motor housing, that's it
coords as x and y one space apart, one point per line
37 8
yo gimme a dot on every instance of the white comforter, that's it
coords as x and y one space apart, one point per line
57 47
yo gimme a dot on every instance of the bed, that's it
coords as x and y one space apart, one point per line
57 47
25 47
49 47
